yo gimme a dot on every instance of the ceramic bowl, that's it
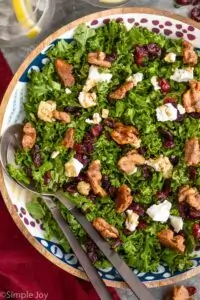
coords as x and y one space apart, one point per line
11 112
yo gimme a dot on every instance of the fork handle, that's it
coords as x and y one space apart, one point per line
90 270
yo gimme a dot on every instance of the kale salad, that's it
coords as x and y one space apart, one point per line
113 120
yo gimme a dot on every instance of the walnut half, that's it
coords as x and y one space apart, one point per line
123 199
68 141
129 162
121 91
123 134
29 137
189 55
191 98
192 151
189 195
105 229
94 176
64 70
167 239
98 59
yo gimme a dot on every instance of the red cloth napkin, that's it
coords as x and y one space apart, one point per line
24 272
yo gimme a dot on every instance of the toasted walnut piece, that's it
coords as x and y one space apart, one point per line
29 136
189 55
64 71
121 91
180 293
129 162
167 239
189 195
123 135
62 116
192 151
94 176
83 188
105 229
191 98
123 199
98 59
68 141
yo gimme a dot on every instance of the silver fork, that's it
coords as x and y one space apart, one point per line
10 142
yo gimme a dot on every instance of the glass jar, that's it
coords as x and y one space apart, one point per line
23 22
117 3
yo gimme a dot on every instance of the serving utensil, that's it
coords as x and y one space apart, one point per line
9 144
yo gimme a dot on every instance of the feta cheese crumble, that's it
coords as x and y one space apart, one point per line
137 77
154 82
45 110
87 100
131 220
183 75
181 109
161 164
54 154
177 223
105 113
73 167
170 57
96 119
166 112
159 212
67 91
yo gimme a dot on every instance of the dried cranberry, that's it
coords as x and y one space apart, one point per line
28 172
174 160
184 210
90 245
195 14
106 183
109 122
37 159
79 148
88 148
194 115
168 144
166 134
192 172
194 213
142 150
47 177
112 191
75 110
97 130
183 2
142 225
140 54
70 187
169 100
126 231
92 196
146 172
196 231
161 195
191 290
154 50
164 85
180 117
107 135
82 158
166 190
92 256
137 208
197 248
111 57
116 243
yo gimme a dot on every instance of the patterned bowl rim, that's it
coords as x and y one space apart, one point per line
18 74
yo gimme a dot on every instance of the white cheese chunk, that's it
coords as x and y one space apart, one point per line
131 220
170 57
181 109
97 76
136 78
96 119
159 212
183 75
87 99
67 91
177 223
45 110
105 113
73 167
166 112
155 84
161 164
54 154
